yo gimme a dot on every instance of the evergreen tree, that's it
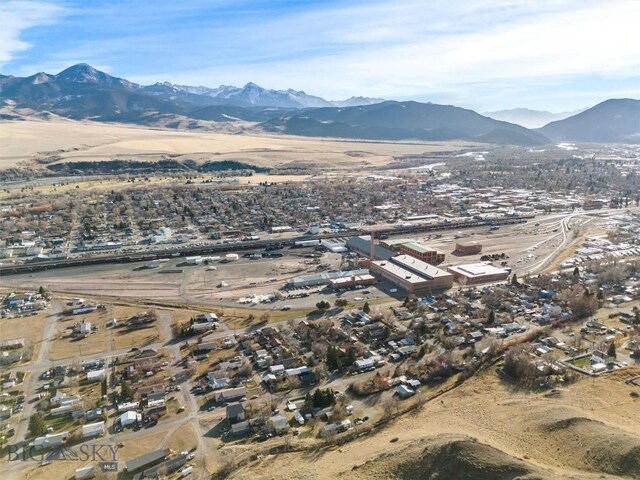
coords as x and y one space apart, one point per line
366 308
125 391
612 350
351 356
514 280
37 427
492 317
576 272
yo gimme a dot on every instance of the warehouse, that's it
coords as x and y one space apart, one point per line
475 273
412 275
362 245
421 252
322 278
470 248
351 282
394 244
334 246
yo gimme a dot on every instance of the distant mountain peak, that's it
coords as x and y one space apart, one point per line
81 72
616 120
528 117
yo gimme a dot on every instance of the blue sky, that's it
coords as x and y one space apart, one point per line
482 54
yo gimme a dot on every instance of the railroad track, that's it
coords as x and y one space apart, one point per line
37 266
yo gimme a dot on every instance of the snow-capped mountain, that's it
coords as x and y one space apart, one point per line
257 96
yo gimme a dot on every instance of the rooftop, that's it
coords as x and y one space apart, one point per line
419 267
419 247
477 269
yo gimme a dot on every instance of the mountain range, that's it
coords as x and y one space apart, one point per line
529 118
82 92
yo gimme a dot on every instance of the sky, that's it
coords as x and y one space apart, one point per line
486 55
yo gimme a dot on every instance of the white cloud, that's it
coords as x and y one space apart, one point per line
395 50
18 16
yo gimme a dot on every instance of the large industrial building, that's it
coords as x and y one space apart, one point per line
475 273
406 246
412 275
362 245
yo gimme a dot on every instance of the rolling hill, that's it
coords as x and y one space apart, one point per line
403 121
612 121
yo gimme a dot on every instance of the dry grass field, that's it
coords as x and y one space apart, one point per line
30 328
32 139
66 346
486 429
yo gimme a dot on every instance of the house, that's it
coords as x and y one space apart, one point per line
62 410
230 395
147 460
476 336
308 378
95 375
235 412
51 440
93 414
93 430
166 467
280 424
240 428
364 364
155 400
414 383
85 472
404 392
12 344
7 358
127 418
124 407
217 383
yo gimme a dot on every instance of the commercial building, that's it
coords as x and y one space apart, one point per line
322 278
354 281
475 273
412 275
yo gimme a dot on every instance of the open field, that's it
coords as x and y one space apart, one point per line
123 337
586 431
66 346
74 141
30 328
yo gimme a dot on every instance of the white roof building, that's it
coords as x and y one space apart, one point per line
127 418
93 430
